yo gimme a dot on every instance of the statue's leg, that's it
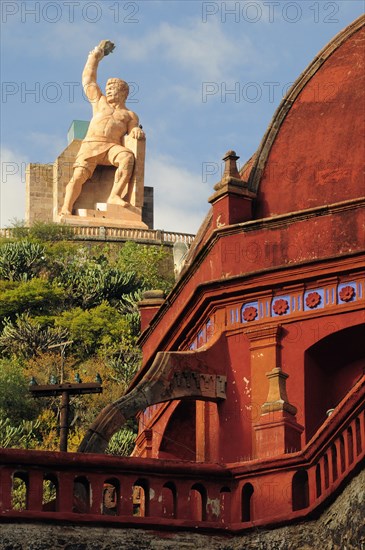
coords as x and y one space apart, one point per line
73 188
124 161
128 196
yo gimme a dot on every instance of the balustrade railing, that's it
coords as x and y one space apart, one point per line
98 488
115 234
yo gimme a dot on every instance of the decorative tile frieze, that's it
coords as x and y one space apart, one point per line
249 313
313 299
300 300
203 335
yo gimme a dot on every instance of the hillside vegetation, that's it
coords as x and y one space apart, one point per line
54 290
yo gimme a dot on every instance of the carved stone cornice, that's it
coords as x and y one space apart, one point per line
264 332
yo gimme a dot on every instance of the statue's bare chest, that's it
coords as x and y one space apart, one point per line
117 116
110 122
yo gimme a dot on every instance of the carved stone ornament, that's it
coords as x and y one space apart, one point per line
281 306
313 300
250 313
347 293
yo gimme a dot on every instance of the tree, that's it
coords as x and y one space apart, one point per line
37 296
99 330
16 404
51 291
122 442
23 436
152 265
88 283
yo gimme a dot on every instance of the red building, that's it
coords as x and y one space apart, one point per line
272 293
251 394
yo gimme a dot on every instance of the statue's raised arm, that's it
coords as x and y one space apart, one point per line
89 75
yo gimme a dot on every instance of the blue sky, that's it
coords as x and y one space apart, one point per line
205 77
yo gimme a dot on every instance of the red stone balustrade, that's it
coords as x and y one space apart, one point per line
174 494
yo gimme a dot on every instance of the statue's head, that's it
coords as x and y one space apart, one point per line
116 89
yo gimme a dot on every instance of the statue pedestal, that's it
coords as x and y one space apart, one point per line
108 215
46 184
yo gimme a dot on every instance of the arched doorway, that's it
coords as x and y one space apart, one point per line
332 366
179 438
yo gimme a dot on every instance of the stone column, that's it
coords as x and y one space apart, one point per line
275 429
149 305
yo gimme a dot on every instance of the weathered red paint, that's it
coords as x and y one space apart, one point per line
316 158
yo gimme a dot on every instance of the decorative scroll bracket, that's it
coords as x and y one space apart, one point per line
172 375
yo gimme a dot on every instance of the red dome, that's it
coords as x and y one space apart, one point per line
313 152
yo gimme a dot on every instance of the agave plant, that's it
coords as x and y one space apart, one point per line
21 261
27 338
21 436
90 283
122 442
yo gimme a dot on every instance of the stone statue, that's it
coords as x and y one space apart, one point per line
103 143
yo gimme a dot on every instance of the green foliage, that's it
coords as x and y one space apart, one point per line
124 366
88 283
21 261
59 254
100 329
150 263
122 442
19 494
19 229
22 436
36 296
48 231
128 303
16 403
27 338
49 491
41 231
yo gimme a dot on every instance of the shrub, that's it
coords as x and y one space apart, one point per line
16 403
48 231
37 296
100 329
152 265
122 442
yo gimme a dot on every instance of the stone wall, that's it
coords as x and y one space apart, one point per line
39 193
147 209
340 527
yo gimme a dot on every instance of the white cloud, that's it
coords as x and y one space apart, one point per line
180 197
64 40
12 186
201 49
